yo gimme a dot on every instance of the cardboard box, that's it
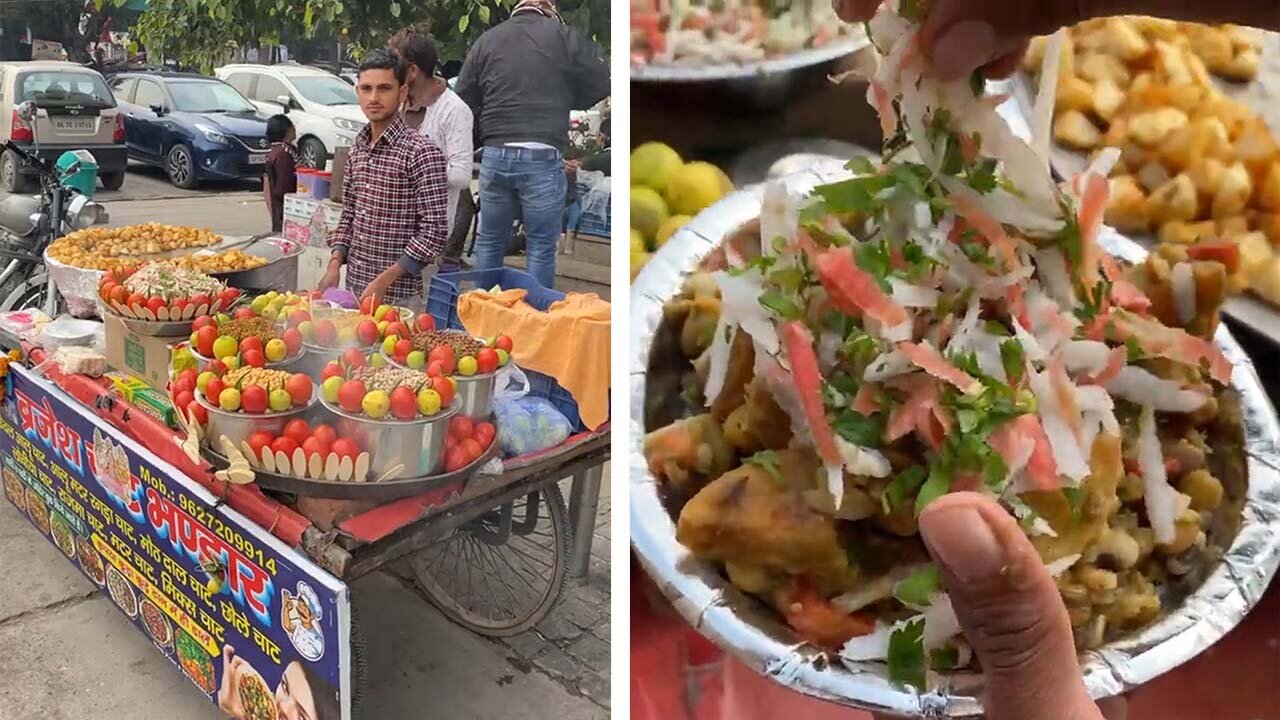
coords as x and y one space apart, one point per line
144 397
145 357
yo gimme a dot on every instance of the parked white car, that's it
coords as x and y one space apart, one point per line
322 106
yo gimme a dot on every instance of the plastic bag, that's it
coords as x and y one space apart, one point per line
598 189
510 384
529 424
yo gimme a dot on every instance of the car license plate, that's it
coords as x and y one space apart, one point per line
257 158
73 124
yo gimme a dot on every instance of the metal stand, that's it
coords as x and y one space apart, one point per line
584 500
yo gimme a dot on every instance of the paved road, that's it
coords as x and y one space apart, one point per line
66 652
144 182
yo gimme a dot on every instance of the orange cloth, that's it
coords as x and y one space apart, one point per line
569 342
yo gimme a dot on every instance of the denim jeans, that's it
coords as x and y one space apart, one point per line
511 185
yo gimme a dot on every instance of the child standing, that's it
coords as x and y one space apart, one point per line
280 177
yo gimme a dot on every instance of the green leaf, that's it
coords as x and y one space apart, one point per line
859 429
875 259
308 16
1012 357
938 484
946 657
1133 350
982 177
901 487
781 304
906 655
484 14
861 165
768 459
394 9
919 588
789 279
1076 497
854 195
463 23
994 470
910 9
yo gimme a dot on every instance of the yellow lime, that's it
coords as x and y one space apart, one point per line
275 350
695 187
428 401
648 210
331 387
224 347
669 228
376 403
652 165
467 366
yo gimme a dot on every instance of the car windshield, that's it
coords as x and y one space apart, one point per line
202 96
59 88
324 89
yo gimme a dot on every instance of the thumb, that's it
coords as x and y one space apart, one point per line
1010 610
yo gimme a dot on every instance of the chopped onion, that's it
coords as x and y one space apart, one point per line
779 216
1054 276
1070 458
1161 499
909 295
740 304
940 622
870 592
835 482
888 365
1085 356
862 461
718 360
1144 388
872 646
1184 292
1062 564
1042 111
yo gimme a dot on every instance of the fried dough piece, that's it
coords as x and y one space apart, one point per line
742 360
751 517
1106 467
688 453
758 423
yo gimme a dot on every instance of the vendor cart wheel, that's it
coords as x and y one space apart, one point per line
501 573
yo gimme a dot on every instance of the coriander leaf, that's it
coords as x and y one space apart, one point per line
967 361
1132 349
861 165
995 327
902 485
910 9
1069 238
938 484
982 177
1012 358
1075 497
918 589
906 655
846 384
994 470
946 657
977 252
768 460
854 195
790 279
911 176
874 258
781 304
863 431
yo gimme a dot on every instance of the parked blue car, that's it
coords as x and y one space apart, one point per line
195 127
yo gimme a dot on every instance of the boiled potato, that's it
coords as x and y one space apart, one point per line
1152 175
1149 128
1073 93
1075 130
1230 227
1127 207
1097 67
1177 232
1107 98
1233 192
1243 67
1267 194
1206 175
1265 280
1254 252
1175 200
1268 224
1210 44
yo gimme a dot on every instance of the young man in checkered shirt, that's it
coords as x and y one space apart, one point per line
394 200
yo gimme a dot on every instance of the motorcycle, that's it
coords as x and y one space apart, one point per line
31 222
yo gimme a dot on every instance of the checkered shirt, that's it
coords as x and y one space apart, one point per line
393 209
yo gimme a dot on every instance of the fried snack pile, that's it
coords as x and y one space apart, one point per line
945 320
120 248
1196 167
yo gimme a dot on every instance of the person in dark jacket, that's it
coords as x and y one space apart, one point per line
280 177
521 79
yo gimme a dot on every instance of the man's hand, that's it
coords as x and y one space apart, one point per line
378 288
331 274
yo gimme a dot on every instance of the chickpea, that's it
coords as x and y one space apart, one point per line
1118 549
1096 578
1130 488
1186 530
1146 539
1203 488
1080 615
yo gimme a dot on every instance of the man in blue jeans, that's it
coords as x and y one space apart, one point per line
521 79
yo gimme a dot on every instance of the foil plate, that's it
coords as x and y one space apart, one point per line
846 45
755 636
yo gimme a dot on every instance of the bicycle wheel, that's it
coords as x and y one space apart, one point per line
500 574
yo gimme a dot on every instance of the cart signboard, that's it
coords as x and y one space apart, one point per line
258 628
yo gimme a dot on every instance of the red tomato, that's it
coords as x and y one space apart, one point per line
254 358
259 440
460 427
346 447
284 445
181 385
455 459
487 360
504 342
243 313
201 415
332 369
315 446
324 433
229 296
156 304
435 369
136 300
366 306
183 398
253 342
292 340
426 323
120 294
299 387
253 399
106 288
445 388
484 433
205 337
213 389
450 442
298 429
199 300
472 448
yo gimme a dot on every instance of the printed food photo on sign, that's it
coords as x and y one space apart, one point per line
157 625
14 490
196 663
300 695
91 561
62 535
122 592
37 511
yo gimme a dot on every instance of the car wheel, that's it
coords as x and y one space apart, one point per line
180 167
312 154
10 179
113 181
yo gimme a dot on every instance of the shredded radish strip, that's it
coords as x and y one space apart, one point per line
1140 386
1042 112
931 361
1162 501
1184 292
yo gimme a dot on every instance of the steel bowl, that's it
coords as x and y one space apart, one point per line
290 363
750 71
415 447
238 426
314 358
754 635
476 393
